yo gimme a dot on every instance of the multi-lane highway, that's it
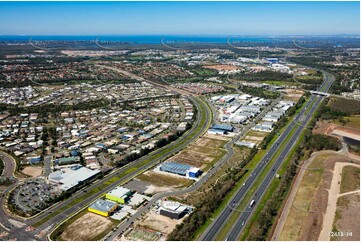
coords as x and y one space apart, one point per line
299 123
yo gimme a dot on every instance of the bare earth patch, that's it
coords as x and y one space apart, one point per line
222 67
347 219
203 152
323 127
163 179
87 227
292 95
32 171
160 223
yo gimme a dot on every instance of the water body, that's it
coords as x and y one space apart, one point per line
152 39
140 39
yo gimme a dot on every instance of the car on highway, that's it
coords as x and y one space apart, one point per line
252 203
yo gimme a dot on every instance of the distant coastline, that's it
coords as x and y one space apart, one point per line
153 39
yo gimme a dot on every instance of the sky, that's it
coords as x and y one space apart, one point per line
179 18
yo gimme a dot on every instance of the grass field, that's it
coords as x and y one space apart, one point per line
348 106
143 234
202 154
353 121
303 199
256 133
350 179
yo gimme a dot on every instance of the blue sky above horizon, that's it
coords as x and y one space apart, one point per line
179 18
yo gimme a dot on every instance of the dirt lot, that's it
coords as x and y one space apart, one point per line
160 223
164 180
323 127
292 95
32 171
347 218
350 179
305 217
222 67
143 234
87 227
203 153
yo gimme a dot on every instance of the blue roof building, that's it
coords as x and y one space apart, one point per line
74 153
224 127
176 168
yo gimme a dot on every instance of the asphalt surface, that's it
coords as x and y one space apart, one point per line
47 165
300 122
9 169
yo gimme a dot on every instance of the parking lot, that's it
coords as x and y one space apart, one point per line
33 195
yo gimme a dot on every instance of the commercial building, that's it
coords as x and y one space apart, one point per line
194 172
246 144
180 169
71 177
175 168
67 160
173 210
119 195
220 129
103 207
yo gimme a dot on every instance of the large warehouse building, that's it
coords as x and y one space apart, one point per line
220 129
180 169
70 177
103 207
173 210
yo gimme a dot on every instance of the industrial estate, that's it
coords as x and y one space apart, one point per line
182 139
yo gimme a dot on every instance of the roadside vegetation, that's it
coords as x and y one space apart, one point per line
263 76
260 92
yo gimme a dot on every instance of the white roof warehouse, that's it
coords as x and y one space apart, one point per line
71 177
